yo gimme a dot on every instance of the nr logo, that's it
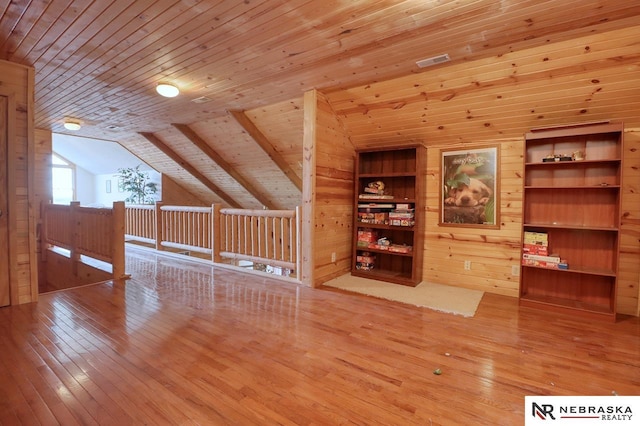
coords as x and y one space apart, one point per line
543 411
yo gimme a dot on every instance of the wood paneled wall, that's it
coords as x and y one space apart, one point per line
327 197
629 266
496 100
586 79
61 273
175 195
17 81
43 191
492 252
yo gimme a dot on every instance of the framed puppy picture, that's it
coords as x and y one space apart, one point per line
470 193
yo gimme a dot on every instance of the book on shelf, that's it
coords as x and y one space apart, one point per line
375 197
400 215
553 258
535 249
376 206
537 238
543 264
378 218
366 257
400 248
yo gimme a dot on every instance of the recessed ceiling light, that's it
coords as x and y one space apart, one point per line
71 125
167 90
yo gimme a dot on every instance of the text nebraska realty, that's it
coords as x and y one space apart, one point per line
609 412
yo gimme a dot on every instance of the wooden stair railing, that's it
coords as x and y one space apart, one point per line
97 233
269 237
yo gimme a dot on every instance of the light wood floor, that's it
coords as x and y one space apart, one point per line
190 344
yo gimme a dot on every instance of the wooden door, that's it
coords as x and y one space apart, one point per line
5 296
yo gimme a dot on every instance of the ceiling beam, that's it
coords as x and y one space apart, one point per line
190 134
189 168
266 145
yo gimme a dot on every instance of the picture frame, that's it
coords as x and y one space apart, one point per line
470 193
108 186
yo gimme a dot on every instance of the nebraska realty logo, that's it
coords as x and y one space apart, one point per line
581 410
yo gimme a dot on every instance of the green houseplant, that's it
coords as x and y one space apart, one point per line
137 184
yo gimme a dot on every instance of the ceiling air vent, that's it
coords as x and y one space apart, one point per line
433 61
201 100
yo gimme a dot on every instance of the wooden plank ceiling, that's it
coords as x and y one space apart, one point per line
99 61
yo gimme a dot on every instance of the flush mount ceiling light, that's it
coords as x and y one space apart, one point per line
71 125
167 90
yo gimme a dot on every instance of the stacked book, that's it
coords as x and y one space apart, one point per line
375 197
535 252
536 243
365 261
367 237
403 215
377 213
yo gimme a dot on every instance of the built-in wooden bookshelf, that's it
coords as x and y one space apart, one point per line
388 223
572 192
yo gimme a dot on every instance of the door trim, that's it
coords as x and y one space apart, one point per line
11 196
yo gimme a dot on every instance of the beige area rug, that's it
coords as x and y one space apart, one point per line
443 298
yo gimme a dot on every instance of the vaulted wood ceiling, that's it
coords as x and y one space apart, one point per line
249 63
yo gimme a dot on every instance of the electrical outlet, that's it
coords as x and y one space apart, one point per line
467 265
333 257
515 270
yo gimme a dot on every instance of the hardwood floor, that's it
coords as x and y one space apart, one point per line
184 343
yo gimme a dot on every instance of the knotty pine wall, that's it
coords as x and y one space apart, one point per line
497 100
175 195
327 195
43 192
492 252
629 266
18 81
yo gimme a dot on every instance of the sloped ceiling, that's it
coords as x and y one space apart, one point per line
96 156
99 61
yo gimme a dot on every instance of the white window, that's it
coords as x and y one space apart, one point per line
63 180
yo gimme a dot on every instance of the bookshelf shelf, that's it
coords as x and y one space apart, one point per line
392 215
573 207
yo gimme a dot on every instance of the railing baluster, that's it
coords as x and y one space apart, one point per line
270 237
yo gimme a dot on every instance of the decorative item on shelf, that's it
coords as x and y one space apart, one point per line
375 191
556 157
382 244
578 155
376 187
